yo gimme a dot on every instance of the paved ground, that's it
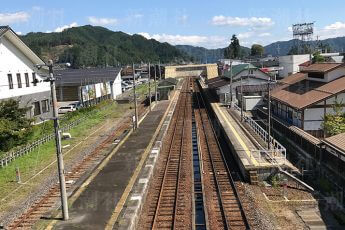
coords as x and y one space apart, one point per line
94 207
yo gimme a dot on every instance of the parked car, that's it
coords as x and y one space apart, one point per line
77 105
66 109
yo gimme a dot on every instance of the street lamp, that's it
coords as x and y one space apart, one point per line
57 132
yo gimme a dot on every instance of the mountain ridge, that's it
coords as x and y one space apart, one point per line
88 46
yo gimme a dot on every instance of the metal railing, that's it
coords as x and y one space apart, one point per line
278 151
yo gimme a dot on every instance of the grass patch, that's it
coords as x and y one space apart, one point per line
38 159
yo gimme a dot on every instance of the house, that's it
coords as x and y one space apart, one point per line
19 79
249 74
88 85
290 64
165 87
303 99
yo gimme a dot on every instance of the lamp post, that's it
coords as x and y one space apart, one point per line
57 132
156 94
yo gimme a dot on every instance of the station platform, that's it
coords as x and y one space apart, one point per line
95 206
248 149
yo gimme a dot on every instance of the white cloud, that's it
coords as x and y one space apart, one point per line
245 35
9 18
335 26
264 34
263 22
102 21
19 33
289 28
336 29
62 28
195 40
137 16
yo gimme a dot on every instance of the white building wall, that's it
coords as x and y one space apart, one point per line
290 64
332 75
13 61
117 90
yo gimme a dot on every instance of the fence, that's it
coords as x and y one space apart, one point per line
278 151
4 161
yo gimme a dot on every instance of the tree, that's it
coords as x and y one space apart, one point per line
257 50
317 57
15 128
334 124
234 49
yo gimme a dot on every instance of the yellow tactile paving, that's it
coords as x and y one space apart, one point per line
238 137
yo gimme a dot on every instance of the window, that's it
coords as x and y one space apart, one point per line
37 108
27 81
34 79
19 80
45 106
10 81
316 75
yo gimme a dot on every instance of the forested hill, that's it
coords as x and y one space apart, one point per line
97 46
203 55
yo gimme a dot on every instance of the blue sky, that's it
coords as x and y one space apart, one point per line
202 23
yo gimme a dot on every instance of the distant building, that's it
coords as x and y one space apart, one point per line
88 85
249 74
290 64
18 74
303 99
165 87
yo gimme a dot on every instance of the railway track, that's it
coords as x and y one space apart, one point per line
170 200
51 198
223 204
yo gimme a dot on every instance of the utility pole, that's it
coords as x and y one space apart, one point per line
61 169
231 84
156 94
135 101
159 68
149 86
241 100
269 115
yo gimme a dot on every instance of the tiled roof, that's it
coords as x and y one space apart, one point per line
299 93
76 77
321 67
337 141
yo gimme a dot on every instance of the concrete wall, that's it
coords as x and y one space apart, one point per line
250 102
291 63
13 61
211 70
116 86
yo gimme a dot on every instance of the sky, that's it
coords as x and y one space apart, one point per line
208 24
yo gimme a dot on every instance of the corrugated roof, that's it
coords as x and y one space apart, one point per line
256 88
170 80
76 77
321 67
3 29
299 93
217 82
337 141
238 69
